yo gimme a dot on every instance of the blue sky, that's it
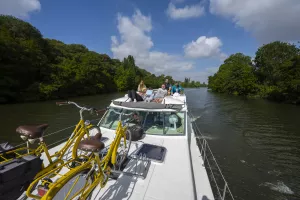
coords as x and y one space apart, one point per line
184 38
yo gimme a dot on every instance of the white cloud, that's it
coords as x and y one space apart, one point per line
204 47
186 12
135 40
267 20
19 8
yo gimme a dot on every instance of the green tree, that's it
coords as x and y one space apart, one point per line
235 76
36 68
270 57
288 86
22 59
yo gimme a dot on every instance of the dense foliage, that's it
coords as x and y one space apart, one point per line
34 68
274 74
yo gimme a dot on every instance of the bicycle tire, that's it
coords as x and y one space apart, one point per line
123 157
63 191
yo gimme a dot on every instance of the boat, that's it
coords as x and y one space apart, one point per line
170 159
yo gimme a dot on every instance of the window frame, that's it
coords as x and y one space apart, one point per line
164 131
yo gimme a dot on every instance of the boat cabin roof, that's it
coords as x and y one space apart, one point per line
168 103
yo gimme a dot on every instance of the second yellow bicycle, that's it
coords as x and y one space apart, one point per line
79 182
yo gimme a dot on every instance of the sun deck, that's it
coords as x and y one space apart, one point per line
168 102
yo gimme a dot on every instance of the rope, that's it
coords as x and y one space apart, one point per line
58 131
58 141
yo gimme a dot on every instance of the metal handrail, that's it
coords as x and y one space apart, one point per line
205 152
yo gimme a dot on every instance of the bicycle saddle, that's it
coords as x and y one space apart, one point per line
32 131
93 144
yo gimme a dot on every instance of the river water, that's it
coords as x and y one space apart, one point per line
256 142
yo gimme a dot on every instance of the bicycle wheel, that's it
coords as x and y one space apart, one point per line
77 153
73 188
123 149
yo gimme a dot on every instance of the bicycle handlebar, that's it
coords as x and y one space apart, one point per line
73 103
93 110
62 103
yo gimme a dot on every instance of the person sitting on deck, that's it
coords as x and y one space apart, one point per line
160 94
142 94
141 87
136 96
168 86
149 95
176 88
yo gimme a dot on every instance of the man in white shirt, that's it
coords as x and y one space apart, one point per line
160 94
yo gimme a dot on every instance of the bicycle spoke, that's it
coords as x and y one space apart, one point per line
74 187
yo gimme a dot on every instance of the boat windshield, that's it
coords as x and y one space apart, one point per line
154 123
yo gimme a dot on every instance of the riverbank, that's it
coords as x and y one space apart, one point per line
265 97
274 74
33 100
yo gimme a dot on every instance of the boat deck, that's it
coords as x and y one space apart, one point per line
180 175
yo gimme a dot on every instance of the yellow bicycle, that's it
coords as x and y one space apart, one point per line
30 134
79 182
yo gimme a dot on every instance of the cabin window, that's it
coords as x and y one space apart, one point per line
164 123
111 118
174 123
154 123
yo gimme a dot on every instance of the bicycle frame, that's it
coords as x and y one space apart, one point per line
79 131
89 165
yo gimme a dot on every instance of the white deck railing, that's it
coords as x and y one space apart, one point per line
219 184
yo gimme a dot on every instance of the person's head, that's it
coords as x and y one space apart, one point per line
142 82
163 86
135 115
167 80
177 84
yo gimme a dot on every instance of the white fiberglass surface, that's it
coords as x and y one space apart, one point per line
170 179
